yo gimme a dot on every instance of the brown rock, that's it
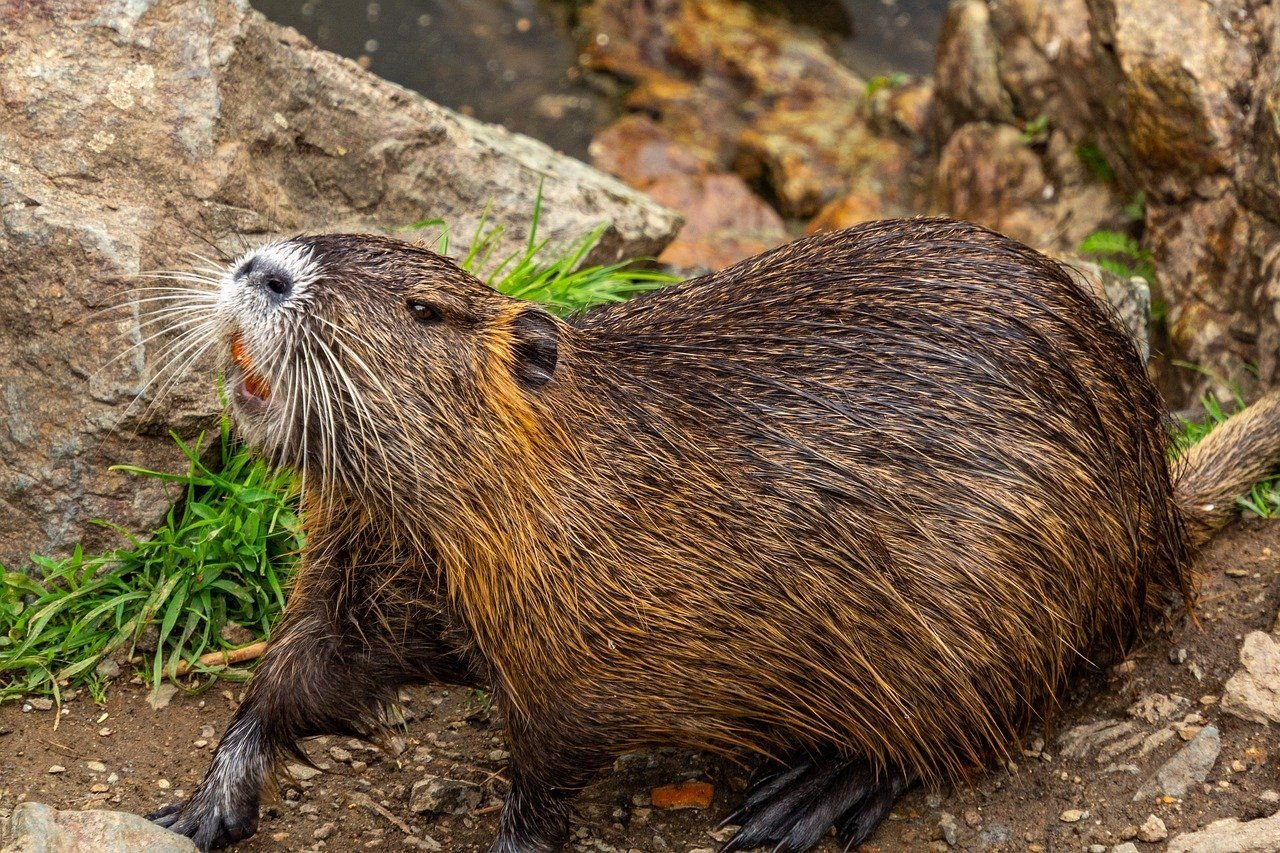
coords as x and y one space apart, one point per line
847 211
989 175
684 795
968 71
724 221
639 152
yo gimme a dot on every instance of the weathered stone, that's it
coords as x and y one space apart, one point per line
968 71
1152 830
638 151
991 174
133 134
436 795
724 221
1181 62
1231 836
1079 741
1189 766
1253 693
1155 707
37 828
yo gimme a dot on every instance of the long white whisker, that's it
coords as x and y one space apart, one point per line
173 327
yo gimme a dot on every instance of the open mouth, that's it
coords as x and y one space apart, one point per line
252 386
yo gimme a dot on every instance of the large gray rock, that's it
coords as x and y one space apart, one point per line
1254 691
1190 766
37 828
134 133
1231 836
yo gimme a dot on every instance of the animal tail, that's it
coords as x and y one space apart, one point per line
1225 464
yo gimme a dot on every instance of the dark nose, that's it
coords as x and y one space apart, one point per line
255 272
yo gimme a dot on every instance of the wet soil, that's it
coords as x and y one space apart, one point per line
124 755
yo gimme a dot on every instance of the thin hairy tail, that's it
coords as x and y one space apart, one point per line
1225 464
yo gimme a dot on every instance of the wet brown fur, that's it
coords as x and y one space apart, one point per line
880 491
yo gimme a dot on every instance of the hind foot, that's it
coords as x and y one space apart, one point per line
791 808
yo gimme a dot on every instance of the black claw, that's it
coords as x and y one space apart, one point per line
794 808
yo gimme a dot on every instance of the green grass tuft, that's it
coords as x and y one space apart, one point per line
227 550
223 554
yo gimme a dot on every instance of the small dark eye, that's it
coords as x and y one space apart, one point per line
424 312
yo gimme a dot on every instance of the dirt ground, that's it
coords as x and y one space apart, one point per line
127 756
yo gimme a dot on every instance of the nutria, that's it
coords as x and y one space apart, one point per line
860 505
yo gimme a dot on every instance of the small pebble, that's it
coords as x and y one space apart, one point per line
57 768
323 831
1152 830
104 733
99 788
1238 766
41 703
96 766
163 784
1072 815
113 778
337 753
1270 796
200 744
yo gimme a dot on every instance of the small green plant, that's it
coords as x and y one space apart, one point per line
559 283
1119 253
1092 158
1136 209
886 81
227 550
1035 130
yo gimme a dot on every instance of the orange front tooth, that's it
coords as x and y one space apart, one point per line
252 381
256 386
238 355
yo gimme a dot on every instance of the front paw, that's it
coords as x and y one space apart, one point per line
210 826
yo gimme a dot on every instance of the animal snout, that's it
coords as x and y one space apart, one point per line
273 279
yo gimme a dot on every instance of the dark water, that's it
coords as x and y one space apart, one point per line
514 62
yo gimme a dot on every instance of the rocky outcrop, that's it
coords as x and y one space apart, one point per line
37 828
746 92
1168 101
134 135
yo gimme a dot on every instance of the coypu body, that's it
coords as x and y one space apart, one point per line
861 505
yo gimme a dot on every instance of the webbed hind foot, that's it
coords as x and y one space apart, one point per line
792 808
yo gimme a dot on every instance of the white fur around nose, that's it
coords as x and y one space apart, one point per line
270 324
293 259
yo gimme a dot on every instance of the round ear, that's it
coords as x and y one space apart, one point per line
535 346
